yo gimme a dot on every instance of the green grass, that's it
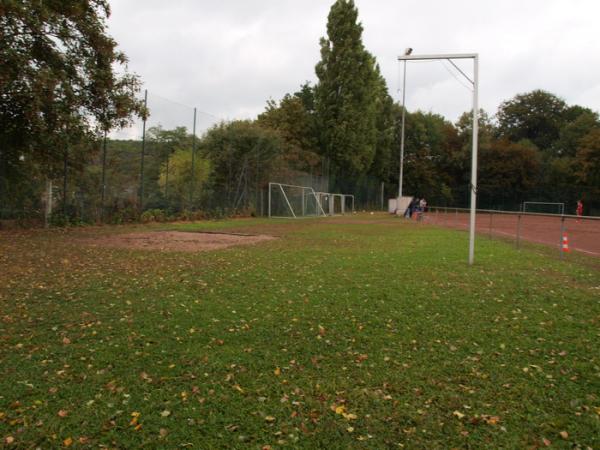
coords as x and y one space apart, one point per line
257 346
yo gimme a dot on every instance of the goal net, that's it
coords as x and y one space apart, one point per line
544 207
291 201
336 204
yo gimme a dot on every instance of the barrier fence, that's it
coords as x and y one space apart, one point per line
580 233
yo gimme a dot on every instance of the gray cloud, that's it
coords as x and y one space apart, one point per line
227 58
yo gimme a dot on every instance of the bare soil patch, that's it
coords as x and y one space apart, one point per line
178 241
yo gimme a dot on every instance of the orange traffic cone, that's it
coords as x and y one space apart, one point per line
565 244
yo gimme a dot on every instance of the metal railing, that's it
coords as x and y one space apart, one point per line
581 233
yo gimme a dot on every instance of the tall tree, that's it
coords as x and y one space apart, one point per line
537 116
346 95
61 78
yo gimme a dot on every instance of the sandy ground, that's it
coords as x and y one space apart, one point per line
179 241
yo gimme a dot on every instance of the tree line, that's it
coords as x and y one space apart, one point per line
59 101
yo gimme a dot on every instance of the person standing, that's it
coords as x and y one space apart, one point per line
579 210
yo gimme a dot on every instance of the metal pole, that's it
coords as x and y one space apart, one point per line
143 152
269 200
65 184
562 233
402 135
519 231
382 193
474 159
491 218
193 160
48 215
103 177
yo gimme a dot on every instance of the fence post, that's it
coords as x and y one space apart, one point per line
269 200
48 212
103 178
562 233
519 231
143 152
192 184
491 218
65 168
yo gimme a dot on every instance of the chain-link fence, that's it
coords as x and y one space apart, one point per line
564 232
162 168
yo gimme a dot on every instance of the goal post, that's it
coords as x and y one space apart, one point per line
544 207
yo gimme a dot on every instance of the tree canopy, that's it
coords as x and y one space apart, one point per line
62 78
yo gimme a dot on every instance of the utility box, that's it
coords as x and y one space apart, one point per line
399 205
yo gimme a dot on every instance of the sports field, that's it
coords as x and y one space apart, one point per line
353 332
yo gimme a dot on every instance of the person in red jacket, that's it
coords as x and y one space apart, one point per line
579 208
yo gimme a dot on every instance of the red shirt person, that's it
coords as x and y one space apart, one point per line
579 208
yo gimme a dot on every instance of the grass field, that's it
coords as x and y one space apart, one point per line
366 332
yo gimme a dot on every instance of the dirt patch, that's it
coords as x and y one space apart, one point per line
178 241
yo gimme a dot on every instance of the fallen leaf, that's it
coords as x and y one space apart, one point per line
350 429
165 413
340 410
547 442
361 358
9 440
277 371
270 419
564 434
66 341
63 413
458 414
68 442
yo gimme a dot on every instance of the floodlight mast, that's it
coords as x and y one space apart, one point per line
407 52
475 83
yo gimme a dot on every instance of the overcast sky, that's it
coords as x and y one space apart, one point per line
229 57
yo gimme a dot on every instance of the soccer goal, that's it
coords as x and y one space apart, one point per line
543 207
291 201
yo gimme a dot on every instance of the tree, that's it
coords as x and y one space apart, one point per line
426 156
244 157
573 131
179 182
508 170
588 159
537 116
61 80
346 95
164 143
296 126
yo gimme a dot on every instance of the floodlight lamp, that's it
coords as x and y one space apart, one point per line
408 51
